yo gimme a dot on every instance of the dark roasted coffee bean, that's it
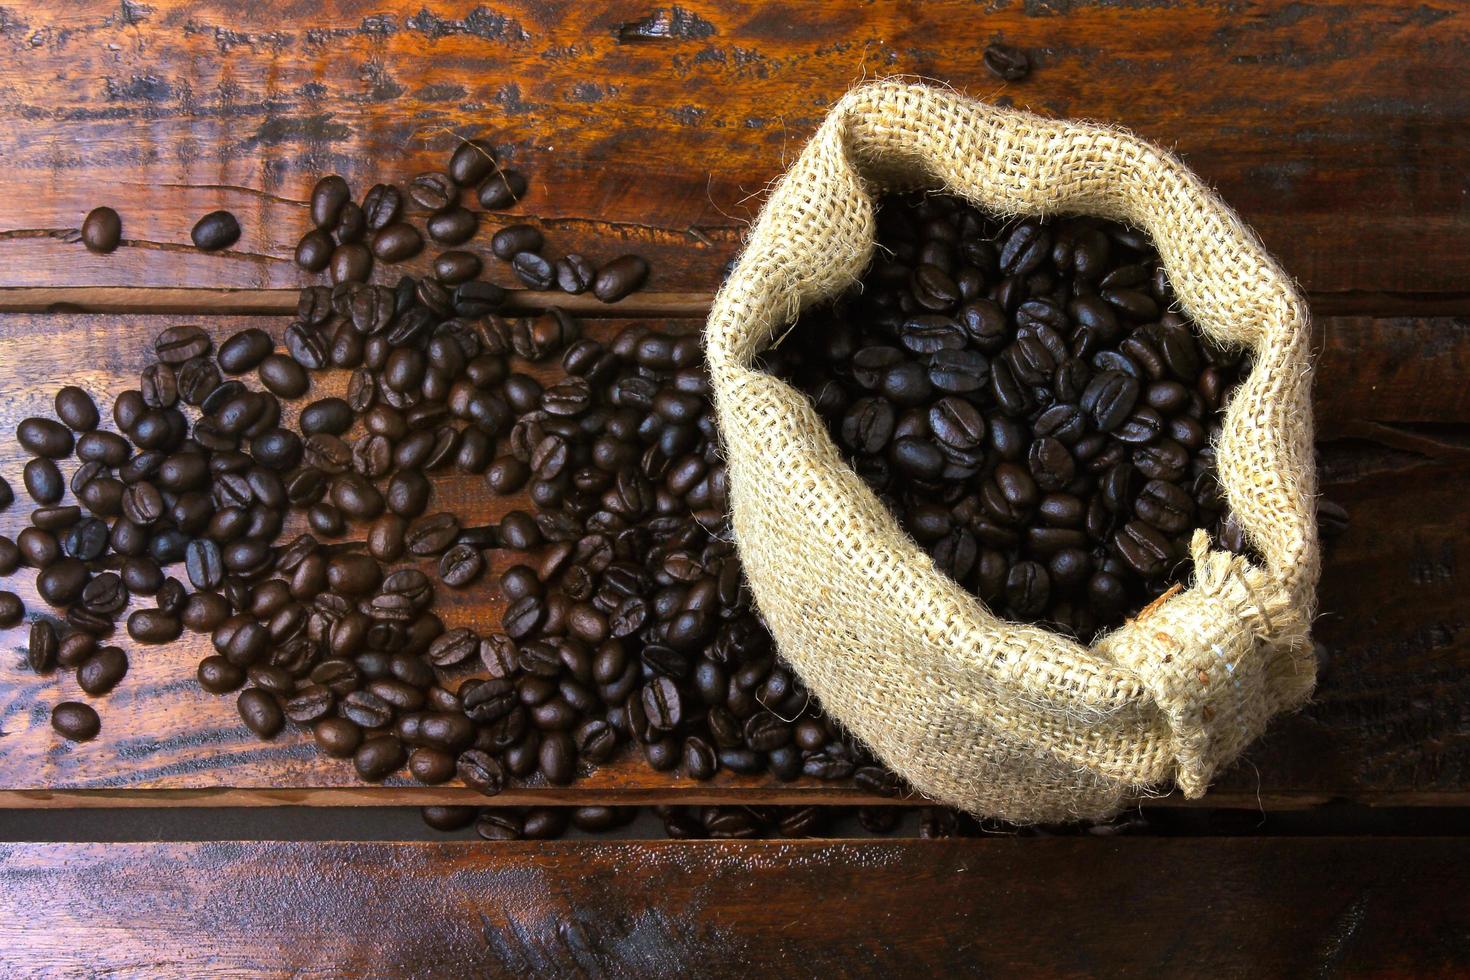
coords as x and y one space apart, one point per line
382 206
453 226
215 231
533 270
350 263
101 672
327 198
574 274
42 649
502 189
101 230
314 250
432 190
43 480
1007 62
44 437
480 771
283 376
397 242
63 581
1144 549
511 240
620 277
153 626
12 609
77 409
76 721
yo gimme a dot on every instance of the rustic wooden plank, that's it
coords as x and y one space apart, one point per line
1387 726
1038 907
1338 128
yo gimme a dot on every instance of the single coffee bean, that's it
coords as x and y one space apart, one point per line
432 190
77 409
620 277
452 226
153 626
63 582
455 267
245 350
512 240
75 721
349 263
102 671
382 206
42 648
397 242
214 231
1009 63
533 270
101 230
283 376
261 712
43 480
480 771
314 250
327 198
44 437
502 189
12 609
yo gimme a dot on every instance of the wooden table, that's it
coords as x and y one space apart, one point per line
1337 128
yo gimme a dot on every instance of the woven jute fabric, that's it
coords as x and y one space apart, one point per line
1002 719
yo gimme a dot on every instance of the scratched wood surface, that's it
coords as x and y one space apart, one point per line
1062 907
1386 726
1337 127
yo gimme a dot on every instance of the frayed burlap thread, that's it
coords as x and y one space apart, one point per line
1002 719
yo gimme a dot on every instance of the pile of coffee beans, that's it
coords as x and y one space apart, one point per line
312 553
1026 401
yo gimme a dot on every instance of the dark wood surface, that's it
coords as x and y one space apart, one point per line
1064 907
1337 128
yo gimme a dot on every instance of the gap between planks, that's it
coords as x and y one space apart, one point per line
190 301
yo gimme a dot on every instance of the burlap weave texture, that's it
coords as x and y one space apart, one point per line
1002 719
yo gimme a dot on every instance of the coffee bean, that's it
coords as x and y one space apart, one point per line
1007 62
12 609
63 581
102 671
533 270
214 231
153 626
452 226
350 263
244 351
261 712
397 242
455 267
42 648
575 274
75 721
314 250
43 480
620 277
432 190
101 230
461 565
174 345
512 240
337 737
283 376
502 189
76 408
44 437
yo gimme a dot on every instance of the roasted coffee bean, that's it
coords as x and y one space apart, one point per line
327 198
397 242
63 581
153 626
103 671
350 263
77 409
215 231
381 206
453 226
432 535
455 267
283 376
75 721
244 351
480 771
10 555
512 240
42 648
205 565
12 609
1007 62
472 162
314 250
502 189
620 277
533 270
261 712
44 437
43 480
101 230
461 565
433 191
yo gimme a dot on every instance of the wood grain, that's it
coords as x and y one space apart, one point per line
1060 907
1386 727
1338 128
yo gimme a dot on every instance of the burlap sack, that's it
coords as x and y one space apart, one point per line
1001 719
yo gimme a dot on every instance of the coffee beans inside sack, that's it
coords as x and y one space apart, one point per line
1018 438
